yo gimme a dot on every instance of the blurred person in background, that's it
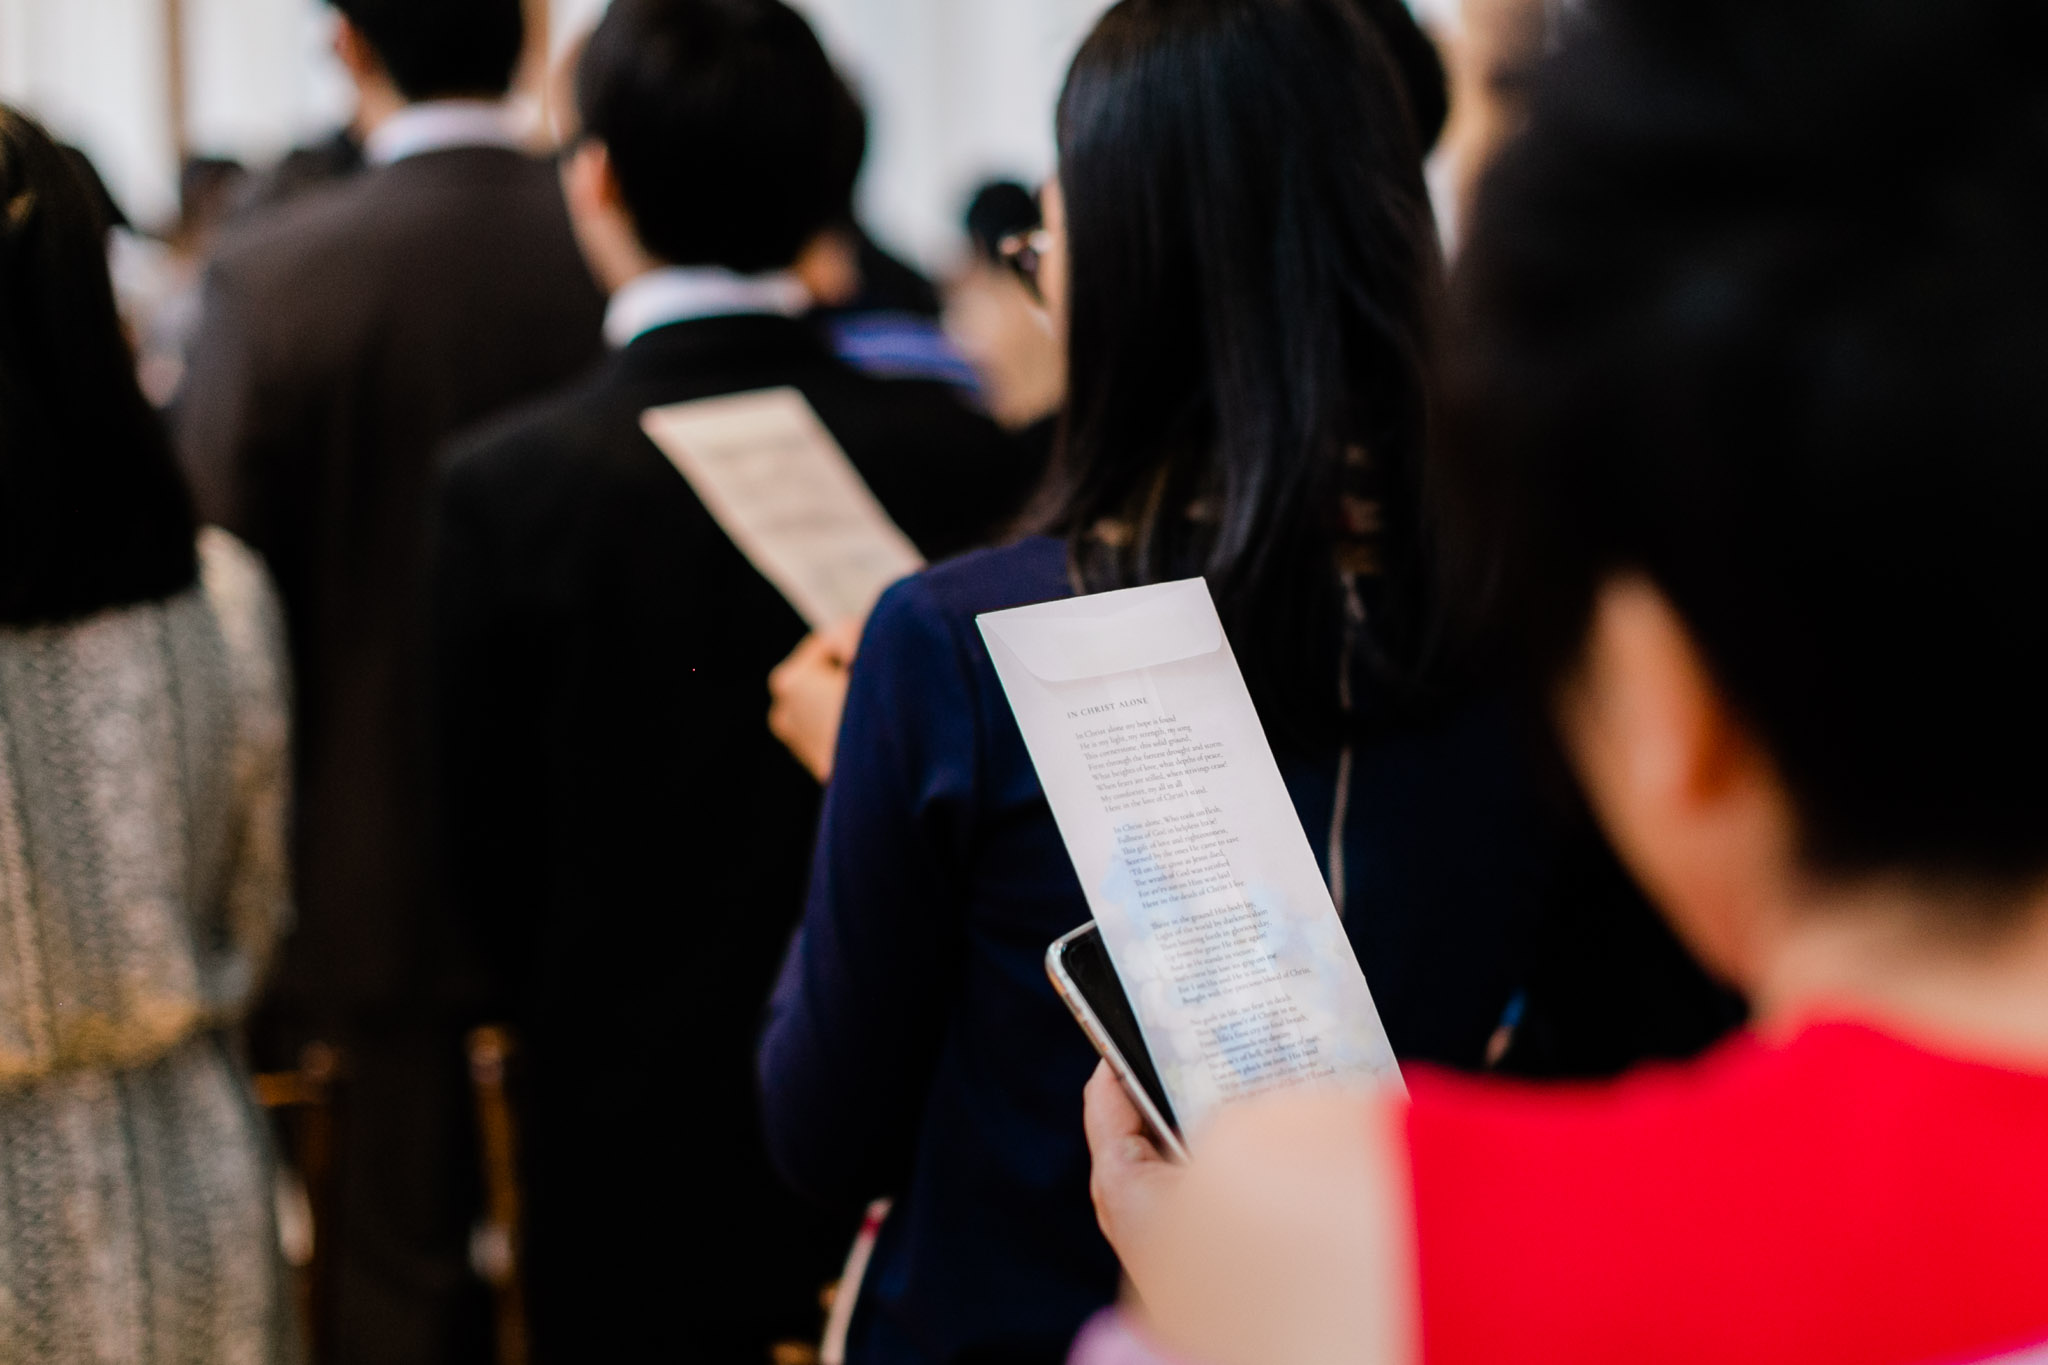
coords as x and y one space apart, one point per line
339 154
144 783
156 273
1745 466
993 315
343 338
881 315
333 157
1421 66
996 321
998 209
624 836
1239 253
157 277
1493 55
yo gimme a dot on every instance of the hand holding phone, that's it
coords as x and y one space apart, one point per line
1082 973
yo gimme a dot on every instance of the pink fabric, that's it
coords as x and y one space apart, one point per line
1110 1338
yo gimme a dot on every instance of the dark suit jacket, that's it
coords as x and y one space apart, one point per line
334 157
628 838
346 335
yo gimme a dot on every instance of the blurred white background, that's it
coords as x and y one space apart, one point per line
958 90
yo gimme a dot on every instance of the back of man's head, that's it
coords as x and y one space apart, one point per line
437 49
722 119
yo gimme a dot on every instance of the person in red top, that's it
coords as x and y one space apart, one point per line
1747 461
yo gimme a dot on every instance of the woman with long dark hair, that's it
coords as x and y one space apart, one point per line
142 810
1240 252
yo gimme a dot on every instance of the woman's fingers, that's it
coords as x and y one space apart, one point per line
1111 1119
841 642
1130 1173
807 694
1284 1241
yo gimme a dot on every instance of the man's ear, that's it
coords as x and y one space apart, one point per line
830 268
598 213
589 180
1690 798
377 95
355 52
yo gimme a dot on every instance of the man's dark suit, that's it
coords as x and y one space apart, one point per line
630 835
346 335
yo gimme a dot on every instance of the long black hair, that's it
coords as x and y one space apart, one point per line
93 512
1252 270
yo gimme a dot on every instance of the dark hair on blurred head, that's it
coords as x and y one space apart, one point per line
93 513
726 125
1252 264
1421 66
999 209
1757 306
441 48
849 142
104 204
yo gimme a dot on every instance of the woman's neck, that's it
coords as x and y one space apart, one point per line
1916 967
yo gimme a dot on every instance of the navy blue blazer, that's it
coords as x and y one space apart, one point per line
915 1047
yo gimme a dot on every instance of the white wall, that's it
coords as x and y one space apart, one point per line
90 69
261 77
1440 15
257 79
959 90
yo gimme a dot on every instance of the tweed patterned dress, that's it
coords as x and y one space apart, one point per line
143 780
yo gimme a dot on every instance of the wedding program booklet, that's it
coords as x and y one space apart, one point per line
1188 847
764 465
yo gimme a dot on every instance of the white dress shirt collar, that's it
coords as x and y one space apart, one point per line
684 293
437 125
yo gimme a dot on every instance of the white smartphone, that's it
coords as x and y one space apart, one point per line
1086 979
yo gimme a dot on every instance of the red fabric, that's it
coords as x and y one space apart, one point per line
1841 1199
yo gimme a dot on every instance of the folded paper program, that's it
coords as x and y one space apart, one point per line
1188 847
782 489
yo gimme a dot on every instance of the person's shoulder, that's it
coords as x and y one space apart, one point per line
327 214
348 223
932 612
894 412
540 441
1910 1175
313 265
243 598
499 191
230 571
1747 1094
273 243
899 346
541 423
1026 571
470 165
935 400
1652 1094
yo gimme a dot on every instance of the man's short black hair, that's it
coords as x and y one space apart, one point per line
726 126
436 49
1757 307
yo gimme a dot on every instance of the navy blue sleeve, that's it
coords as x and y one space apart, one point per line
859 1012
